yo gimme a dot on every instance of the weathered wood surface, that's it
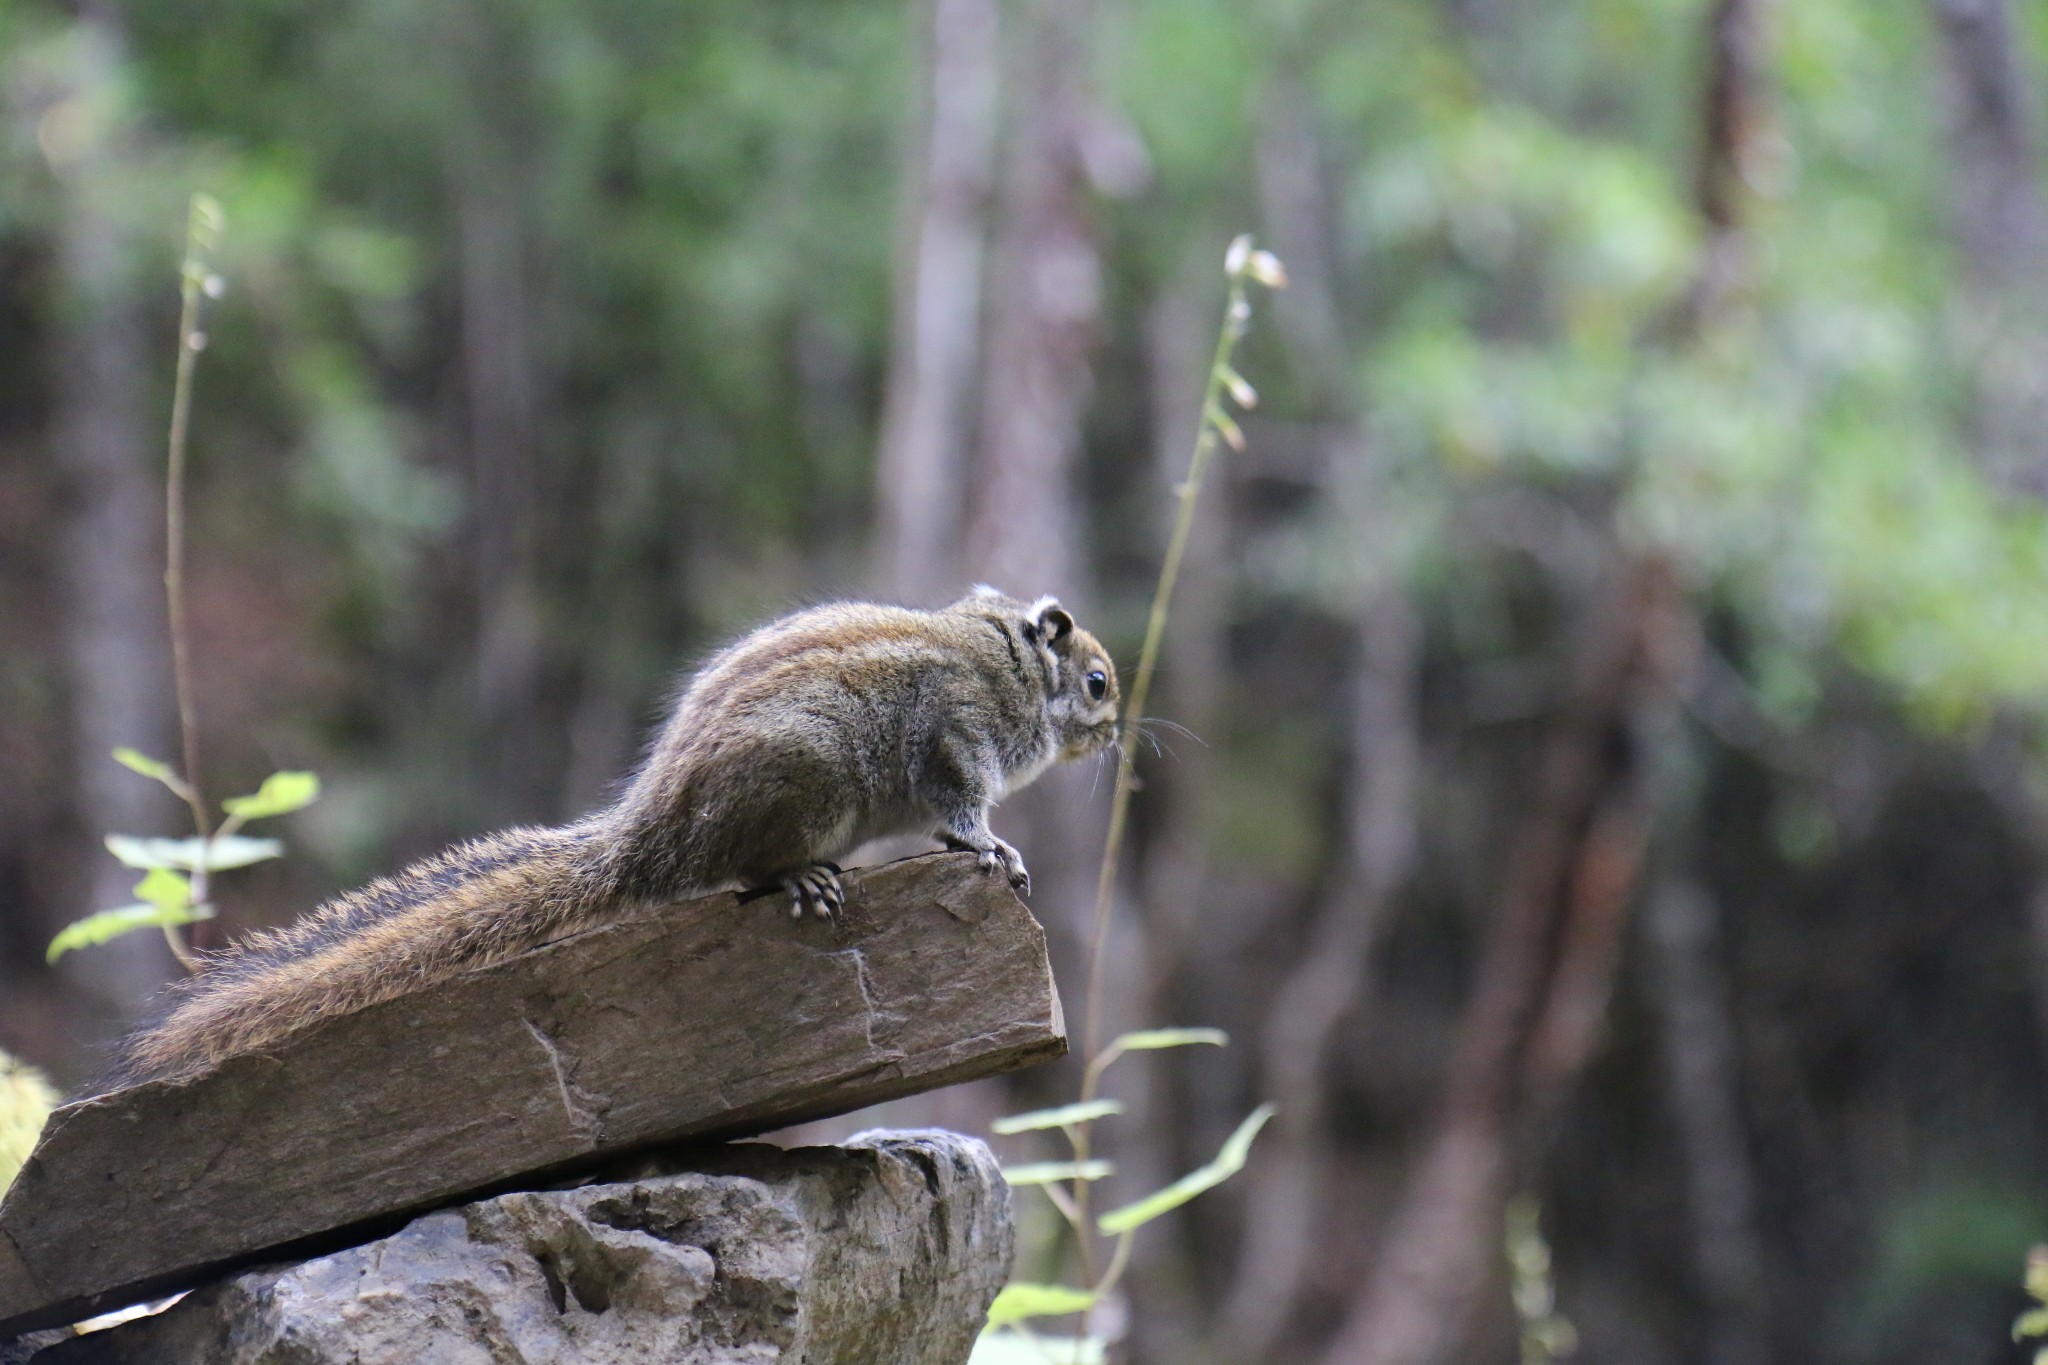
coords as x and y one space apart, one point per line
709 1019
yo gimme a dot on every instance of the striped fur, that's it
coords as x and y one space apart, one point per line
788 749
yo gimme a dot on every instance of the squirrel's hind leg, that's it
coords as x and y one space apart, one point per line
817 889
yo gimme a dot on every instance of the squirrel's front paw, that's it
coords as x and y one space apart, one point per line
816 889
1010 862
995 855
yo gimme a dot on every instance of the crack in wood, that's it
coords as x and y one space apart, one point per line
868 1008
584 1111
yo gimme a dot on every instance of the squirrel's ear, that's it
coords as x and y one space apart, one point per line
1051 619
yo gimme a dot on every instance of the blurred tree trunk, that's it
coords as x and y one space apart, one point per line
1735 145
1543 984
935 342
498 375
1046 302
505 725
1991 125
1702 1070
2001 231
104 440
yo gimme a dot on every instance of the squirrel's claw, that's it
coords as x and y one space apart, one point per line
818 890
1010 862
995 856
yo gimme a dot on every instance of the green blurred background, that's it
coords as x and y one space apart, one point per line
1617 667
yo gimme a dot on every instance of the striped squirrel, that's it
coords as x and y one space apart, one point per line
788 749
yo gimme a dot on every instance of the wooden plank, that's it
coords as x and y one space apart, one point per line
709 1019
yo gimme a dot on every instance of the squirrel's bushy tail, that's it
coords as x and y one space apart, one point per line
472 905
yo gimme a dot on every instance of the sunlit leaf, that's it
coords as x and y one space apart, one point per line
2032 1323
223 852
1012 1348
1020 1301
1056 1118
165 889
280 794
109 924
1146 1040
1153 1039
1229 1161
142 763
1047 1172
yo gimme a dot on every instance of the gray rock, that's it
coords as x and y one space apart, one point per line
885 1251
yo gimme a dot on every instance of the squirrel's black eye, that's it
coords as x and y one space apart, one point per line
1098 683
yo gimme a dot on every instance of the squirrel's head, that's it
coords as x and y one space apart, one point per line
1084 695
1083 705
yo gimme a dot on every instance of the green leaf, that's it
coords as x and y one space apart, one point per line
1020 1301
1048 1172
1147 1040
108 924
221 853
1056 1118
1151 1040
165 889
149 767
1229 1161
280 794
2032 1323
1013 1348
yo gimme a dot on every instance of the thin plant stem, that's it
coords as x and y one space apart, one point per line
1075 1208
1148 662
202 230
1241 265
1120 1258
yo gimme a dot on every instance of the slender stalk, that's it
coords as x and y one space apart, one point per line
201 232
1148 658
1075 1206
1241 266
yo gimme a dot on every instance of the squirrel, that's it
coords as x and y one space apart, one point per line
787 750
